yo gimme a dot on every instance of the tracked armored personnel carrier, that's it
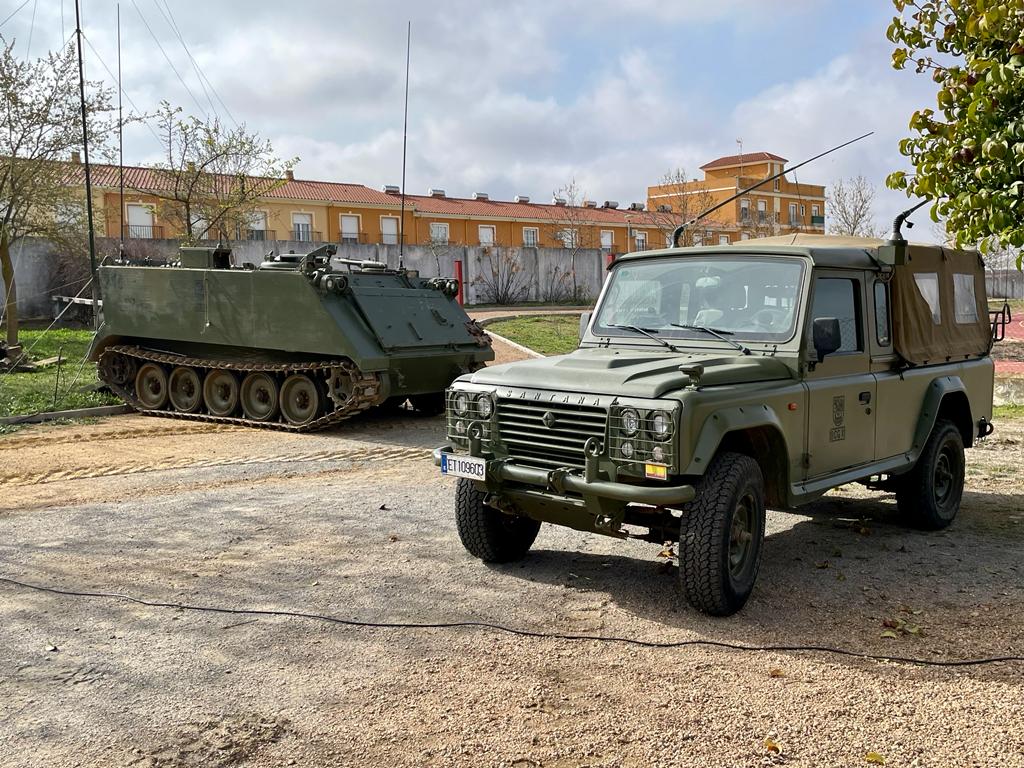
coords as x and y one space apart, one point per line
298 342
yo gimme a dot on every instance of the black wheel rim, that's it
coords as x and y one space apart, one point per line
944 479
741 535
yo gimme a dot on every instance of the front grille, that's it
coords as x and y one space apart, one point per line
522 429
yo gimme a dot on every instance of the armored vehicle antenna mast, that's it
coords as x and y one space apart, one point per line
896 238
88 176
405 135
678 231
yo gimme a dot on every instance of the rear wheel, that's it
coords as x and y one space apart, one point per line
721 536
929 495
220 393
488 533
184 390
259 396
429 404
151 386
300 399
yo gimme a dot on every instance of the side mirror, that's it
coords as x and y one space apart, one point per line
826 335
584 324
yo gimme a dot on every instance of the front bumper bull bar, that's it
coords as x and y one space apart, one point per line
561 481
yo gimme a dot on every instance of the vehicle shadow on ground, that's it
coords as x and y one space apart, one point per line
836 571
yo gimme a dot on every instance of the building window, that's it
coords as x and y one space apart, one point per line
256 225
641 240
776 185
698 238
814 210
837 297
531 237
745 211
349 228
882 313
723 239
486 234
762 212
569 237
438 233
744 235
793 221
803 210
389 230
140 222
607 239
302 227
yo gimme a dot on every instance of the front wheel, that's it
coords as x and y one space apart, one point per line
929 494
721 535
488 533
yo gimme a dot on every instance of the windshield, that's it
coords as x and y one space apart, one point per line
751 298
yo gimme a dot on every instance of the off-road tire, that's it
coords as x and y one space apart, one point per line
732 486
487 533
929 494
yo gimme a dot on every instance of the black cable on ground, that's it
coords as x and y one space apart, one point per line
513 630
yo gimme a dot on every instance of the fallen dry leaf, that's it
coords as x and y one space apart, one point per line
874 757
776 673
889 635
771 746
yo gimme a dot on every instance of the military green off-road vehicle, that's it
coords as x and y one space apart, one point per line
713 382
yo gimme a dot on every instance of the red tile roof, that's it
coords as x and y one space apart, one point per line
747 157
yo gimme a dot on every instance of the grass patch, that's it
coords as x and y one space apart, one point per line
22 394
547 334
1008 412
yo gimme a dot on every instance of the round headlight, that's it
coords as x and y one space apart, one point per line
461 403
630 421
460 427
661 425
658 454
627 450
485 406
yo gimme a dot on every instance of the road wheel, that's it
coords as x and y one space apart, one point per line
151 386
487 533
929 495
300 399
116 368
429 404
184 390
259 396
721 536
220 393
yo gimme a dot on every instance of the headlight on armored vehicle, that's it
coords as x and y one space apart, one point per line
630 420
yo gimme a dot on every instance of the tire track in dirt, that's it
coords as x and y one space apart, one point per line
360 454
50 438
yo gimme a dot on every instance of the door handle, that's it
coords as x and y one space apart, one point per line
864 397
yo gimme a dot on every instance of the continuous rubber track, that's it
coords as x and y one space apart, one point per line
366 387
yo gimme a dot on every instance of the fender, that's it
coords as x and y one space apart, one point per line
722 422
937 390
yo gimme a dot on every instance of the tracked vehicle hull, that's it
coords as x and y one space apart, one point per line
295 344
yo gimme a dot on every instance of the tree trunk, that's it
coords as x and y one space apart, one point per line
10 291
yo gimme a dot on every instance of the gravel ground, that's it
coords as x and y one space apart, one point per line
357 523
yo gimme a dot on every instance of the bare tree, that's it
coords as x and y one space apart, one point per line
850 205
40 126
212 176
685 200
573 226
502 277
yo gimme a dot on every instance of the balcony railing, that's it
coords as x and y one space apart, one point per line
143 231
260 234
354 238
303 235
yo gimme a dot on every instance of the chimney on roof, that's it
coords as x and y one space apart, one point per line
290 175
435 192
391 189
636 206
522 198
76 157
590 204
663 208
610 204
558 200
481 196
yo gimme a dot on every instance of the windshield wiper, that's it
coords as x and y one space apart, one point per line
646 332
716 332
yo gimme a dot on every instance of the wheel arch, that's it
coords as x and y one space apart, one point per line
946 398
754 431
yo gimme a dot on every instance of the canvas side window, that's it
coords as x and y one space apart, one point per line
837 297
965 305
928 285
882 314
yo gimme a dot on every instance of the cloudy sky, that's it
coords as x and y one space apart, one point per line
513 97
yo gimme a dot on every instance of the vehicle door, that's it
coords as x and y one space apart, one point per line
841 388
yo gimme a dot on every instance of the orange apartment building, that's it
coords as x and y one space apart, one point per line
781 206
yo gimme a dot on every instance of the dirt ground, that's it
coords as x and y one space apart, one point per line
357 523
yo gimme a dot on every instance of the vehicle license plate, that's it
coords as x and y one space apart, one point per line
463 466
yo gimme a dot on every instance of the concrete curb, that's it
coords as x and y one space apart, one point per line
78 413
520 347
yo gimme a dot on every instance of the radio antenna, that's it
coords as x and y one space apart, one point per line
405 134
88 175
120 134
678 231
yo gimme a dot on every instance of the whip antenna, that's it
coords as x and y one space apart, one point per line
678 231
405 134
88 175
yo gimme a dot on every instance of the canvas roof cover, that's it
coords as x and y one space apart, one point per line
939 305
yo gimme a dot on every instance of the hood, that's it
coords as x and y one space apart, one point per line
631 372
